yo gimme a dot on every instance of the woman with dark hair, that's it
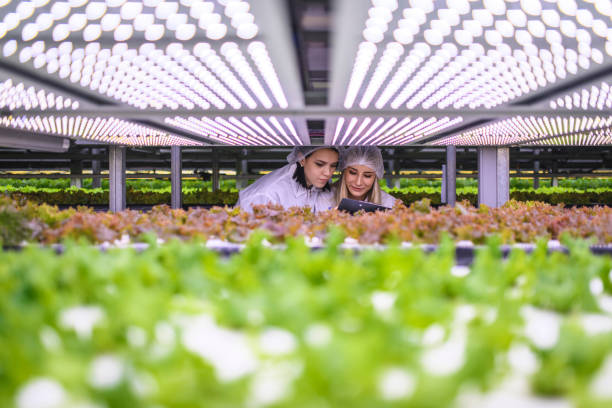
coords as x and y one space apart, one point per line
297 184
362 168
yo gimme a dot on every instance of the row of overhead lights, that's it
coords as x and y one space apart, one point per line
154 19
497 52
520 130
598 137
107 130
233 131
172 78
241 131
391 131
197 76
593 97
17 96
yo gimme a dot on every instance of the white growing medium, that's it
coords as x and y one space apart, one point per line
240 131
228 351
82 319
545 130
41 392
355 131
106 130
109 47
106 372
275 341
396 383
473 54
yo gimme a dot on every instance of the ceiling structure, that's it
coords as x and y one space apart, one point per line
290 72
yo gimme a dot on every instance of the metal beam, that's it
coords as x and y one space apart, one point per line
493 176
116 169
313 112
256 176
176 172
27 140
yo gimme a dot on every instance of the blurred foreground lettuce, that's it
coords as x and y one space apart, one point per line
177 325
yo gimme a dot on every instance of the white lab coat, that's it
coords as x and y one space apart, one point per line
326 200
387 199
279 187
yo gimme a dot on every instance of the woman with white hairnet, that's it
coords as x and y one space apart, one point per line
296 184
362 167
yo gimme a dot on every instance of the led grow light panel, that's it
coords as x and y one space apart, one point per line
106 130
381 131
148 54
594 97
527 130
473 54
595 138
17 95
241 131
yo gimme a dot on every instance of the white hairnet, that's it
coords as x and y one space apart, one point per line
369 156
300 152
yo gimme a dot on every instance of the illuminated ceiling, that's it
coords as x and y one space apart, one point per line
190 72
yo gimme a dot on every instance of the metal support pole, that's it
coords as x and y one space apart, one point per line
76 168
555 180
451 175
242 169
215 171
96 169
393 182
536 170
391 170
116 179
176 182
443 189
493 176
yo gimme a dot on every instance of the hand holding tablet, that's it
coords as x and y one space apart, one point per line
353 206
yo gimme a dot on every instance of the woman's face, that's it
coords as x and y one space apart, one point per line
320 166
359 180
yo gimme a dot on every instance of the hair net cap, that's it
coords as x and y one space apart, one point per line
369 156
301 152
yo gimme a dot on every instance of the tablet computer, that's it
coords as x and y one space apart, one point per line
353 206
